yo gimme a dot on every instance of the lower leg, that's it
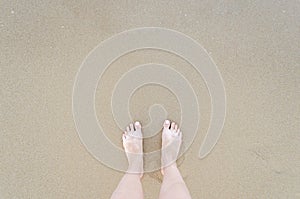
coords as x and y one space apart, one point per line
129 187
173 185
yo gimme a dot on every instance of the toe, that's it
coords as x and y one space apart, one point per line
173 126
127 129
176 127
137 125
131 127
167 124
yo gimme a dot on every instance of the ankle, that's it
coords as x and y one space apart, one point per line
168 168
136 168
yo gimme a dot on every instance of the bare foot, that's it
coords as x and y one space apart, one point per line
171 141
133 145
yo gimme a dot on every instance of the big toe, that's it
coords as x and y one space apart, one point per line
138 130
137 125
167 124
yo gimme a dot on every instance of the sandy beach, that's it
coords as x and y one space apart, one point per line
255 45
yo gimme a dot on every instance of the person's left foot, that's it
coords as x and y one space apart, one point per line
133 145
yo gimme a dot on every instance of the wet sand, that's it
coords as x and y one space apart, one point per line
255 45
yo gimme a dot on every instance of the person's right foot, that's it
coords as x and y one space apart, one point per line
171 141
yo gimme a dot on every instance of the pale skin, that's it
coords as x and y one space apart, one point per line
173 186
